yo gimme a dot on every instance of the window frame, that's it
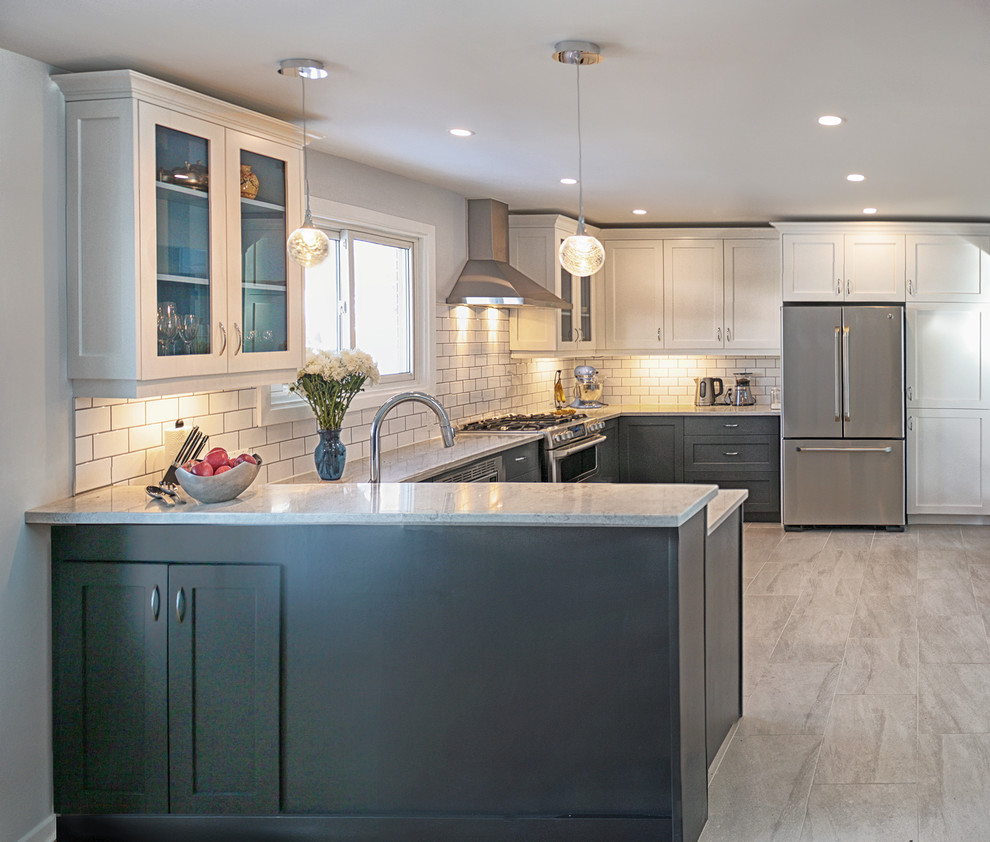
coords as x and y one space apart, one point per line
358 220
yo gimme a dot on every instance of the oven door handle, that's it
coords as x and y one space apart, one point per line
577 447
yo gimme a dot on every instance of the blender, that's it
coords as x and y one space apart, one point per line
587 388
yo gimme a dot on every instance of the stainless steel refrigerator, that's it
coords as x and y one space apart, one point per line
842 415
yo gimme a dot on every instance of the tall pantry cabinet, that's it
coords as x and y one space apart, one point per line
948 373
178 208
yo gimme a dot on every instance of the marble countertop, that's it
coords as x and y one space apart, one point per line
724 504
416 462
454 504
657 408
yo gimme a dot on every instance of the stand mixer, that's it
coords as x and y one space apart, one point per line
587 388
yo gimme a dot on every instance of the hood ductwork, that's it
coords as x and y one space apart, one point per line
487 279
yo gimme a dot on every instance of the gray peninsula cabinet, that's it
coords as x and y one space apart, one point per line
426 671
166 687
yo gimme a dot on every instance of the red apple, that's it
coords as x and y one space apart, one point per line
246 457
221 469
202 469
187 466
216 457
231 462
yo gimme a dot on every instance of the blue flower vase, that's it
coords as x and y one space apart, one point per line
330 454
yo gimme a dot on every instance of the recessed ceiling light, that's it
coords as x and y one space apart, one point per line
830 120
639 211
461 132
855 176
568 181
869 210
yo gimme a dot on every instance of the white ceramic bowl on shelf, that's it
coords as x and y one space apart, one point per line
220 487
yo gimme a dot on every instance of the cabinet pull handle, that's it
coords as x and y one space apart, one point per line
731 453
718 334
910 287
728 334
659 334
180 604
910 394
730 425
223 333
911 422
838 286
156 601
240 339
849 288
521 458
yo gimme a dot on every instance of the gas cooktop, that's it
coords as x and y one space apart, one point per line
521 423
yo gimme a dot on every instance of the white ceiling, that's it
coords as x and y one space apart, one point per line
703 111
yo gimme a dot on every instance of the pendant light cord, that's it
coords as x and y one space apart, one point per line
309 217
580 230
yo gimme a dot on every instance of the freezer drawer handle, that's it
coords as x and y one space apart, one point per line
843 449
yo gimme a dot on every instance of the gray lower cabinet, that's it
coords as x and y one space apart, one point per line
723 631
650 448
166 687
609 468
522 464
737 451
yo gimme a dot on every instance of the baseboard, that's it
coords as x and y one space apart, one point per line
44 831
949 520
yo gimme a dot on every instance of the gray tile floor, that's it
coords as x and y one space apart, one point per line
866 684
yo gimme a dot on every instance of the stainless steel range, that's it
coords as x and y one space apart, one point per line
569 449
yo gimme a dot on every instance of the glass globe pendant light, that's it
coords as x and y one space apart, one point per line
308 246
581 254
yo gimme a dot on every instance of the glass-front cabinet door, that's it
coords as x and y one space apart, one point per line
182 297
265 208
576 323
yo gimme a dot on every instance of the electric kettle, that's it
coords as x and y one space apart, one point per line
706 390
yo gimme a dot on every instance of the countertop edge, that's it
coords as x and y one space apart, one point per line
725 503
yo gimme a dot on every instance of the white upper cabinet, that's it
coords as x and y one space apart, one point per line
948 356
179 206
830 265
874 267
633 306
948 267
683 291
534 241
692 294
751 309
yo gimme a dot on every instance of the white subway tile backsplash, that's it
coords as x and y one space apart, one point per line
193 405
95 420
476 377
127 415
110 444
165 409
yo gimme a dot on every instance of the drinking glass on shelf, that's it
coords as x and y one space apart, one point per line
168 326
189 330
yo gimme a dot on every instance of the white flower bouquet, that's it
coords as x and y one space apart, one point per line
329 381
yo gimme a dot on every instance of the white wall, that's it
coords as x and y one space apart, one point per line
36 425
340 180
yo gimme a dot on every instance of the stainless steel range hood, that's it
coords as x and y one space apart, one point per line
487 279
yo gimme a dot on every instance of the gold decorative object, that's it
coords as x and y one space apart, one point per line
249 182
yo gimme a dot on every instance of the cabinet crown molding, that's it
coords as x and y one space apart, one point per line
126 84
927 227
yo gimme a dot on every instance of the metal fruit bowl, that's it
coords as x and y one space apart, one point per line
220 487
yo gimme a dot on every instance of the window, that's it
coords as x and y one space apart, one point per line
374 292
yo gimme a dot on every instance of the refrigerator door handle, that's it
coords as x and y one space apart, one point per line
838 378
845 374
843 449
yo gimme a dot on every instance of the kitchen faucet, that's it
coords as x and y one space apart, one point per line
446 428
